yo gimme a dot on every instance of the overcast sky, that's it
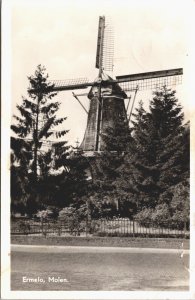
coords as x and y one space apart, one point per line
62 36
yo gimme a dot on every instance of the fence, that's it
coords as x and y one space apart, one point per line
100 227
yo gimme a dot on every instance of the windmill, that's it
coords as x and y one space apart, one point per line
107 95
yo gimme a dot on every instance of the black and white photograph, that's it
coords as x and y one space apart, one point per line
97 176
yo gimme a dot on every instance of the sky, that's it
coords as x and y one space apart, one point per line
62 36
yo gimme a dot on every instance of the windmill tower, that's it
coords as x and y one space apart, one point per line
107 95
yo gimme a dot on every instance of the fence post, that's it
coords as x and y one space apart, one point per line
59 229
86 226
185 229
42 226
133 228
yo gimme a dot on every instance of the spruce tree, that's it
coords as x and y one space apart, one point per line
116 141
158 161
167 118
20 157
36 123
140 170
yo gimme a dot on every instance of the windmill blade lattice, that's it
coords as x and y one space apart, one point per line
70 84
108 48
105 46
150 80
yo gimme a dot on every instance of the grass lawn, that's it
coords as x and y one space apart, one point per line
173 243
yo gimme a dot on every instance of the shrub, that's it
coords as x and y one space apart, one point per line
144 217
73 219
161 215
24 227
180 205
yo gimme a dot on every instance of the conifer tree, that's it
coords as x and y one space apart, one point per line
140 171
36 123
167 118
38 119
116 141
161 157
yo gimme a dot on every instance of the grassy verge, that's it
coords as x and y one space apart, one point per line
173 243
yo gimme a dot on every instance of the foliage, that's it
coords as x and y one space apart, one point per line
116 141
43 214
180 205
144 216
37 120
24 227
161 215
143 171
172 212
74 219
33 159
158 159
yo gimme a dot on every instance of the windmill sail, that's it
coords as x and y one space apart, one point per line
71 84
66 85
105 46
100 39
150 80
108 48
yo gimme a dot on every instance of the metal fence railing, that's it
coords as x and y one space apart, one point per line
127 227
97 227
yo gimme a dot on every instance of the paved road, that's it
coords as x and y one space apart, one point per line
93 268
